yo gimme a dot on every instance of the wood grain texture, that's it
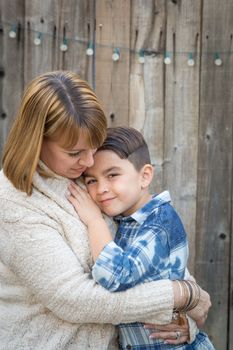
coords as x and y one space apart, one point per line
59 20
12 56
112 78
146 84
185 113
230 307
182 111
214 201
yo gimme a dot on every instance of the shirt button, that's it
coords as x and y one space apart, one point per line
128 347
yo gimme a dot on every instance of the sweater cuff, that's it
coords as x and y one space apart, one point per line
154 302
193 330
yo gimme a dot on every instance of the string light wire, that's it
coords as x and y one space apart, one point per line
116 51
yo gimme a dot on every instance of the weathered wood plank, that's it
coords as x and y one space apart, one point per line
75 19
176 107
39 22
2 113
230 311
182 111
146 110
215 166
112 78
59 21
12 53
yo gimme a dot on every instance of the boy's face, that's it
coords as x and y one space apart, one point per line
115 185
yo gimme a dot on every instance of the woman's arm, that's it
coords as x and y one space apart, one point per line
33 249
99 238
47 266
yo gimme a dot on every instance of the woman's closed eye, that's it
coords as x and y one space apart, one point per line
75 154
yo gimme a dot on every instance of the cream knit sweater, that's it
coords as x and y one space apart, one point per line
48 299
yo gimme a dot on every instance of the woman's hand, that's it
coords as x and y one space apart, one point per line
86 208
200 312
172 333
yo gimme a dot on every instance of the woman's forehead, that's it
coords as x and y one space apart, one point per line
80 140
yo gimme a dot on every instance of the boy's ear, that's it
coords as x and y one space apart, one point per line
147 173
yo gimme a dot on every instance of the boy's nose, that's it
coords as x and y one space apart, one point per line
102 188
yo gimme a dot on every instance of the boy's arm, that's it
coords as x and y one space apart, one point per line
90 214
117 269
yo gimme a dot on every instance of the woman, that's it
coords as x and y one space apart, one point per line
48 299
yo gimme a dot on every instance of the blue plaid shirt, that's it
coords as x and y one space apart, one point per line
149 245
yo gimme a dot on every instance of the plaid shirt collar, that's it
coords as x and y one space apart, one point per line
141 214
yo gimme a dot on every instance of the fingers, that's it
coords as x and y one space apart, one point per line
171 327
174 337
172 333
76 191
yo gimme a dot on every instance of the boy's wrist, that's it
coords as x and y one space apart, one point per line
95 222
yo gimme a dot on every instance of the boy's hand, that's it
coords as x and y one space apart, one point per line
91 216
86 208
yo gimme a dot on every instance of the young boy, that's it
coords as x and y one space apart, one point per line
150 242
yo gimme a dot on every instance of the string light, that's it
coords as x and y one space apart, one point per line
167 58
64 45
90 49
141 58
37 39
217 59
190 61
116 54
13 32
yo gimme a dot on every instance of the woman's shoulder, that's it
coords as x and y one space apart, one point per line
16 204
8 190
47 202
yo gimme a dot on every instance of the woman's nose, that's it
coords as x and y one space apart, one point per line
87 159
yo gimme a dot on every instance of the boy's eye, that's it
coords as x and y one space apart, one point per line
112 175
90 181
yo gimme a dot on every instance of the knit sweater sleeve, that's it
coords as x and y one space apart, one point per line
35 251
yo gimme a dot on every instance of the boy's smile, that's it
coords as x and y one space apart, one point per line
115 185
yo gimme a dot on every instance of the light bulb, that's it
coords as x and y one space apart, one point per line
141 58
37 40
64 46
217 60
167 60
90 50
12 33
191 61
116 55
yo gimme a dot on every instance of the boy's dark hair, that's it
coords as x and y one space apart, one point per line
127 143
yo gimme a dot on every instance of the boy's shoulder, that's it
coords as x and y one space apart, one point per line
160 211
159 202
165 219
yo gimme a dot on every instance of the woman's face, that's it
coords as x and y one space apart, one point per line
68 163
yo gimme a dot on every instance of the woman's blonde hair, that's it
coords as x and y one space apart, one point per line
55 106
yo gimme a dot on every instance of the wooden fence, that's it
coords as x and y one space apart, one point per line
184 111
